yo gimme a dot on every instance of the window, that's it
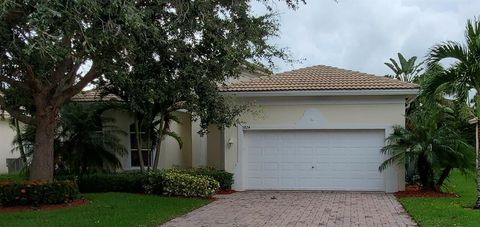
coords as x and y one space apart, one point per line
145 149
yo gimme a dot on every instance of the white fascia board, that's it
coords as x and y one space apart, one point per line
406 92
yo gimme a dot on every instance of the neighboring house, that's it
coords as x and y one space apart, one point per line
316 128
7 134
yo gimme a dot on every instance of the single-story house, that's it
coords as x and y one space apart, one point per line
315 128
320 128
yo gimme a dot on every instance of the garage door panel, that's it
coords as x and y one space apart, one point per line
314 160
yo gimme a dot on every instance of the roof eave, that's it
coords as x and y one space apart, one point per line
370 92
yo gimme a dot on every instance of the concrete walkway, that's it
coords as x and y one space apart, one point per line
273 208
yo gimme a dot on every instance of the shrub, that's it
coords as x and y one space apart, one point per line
180 184
113 182
223 177
37 192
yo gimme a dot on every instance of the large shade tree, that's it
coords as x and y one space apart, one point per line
184 71
51 50
462 77
85 140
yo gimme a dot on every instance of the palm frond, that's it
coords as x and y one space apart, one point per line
446 50
176 137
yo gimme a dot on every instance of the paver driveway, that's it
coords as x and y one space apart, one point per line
273 208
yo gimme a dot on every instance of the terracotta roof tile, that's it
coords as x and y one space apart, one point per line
94 95
318 78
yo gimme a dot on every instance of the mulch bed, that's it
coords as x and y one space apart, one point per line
74 203
426 194
226 192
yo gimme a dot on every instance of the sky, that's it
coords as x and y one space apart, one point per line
363 34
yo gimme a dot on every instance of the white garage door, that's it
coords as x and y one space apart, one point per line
314 160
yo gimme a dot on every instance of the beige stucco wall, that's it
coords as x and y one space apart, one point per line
171 155
353 112
199 146
7 135
215 155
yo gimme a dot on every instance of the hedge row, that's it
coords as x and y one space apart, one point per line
225 179
180 184
115 182
197 182
14 193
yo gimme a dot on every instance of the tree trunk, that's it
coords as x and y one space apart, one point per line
425 173
443 177
149 147
159 144
42 161
139 145
477 151
477 203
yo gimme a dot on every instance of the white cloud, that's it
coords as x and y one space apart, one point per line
362 35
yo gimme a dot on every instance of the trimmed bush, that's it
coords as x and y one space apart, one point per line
223 177
37 192
180 184
113 182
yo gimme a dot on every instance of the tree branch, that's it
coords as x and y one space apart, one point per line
70 79
16 113
34 84
59 72
75 89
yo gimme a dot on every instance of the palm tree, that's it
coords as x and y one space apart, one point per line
432 142
462 77
404 70
87 141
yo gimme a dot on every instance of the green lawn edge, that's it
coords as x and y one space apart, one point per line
454 211
108 209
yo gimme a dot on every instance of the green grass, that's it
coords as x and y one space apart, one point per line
11 176
108 209
447 211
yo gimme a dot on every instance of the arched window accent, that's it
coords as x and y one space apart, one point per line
146 148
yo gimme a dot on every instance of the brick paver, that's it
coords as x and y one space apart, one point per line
273 208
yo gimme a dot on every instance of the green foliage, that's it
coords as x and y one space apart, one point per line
199 182
435 141
462 77
36 192
85 141
464 74
88 141
180 184
106 210
194 47
404 70
112 182
224 178
13 177
159 56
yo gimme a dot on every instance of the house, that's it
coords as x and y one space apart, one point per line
321 128
7 135
315 128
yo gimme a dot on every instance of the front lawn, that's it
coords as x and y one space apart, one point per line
11 177
108 209
447 211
